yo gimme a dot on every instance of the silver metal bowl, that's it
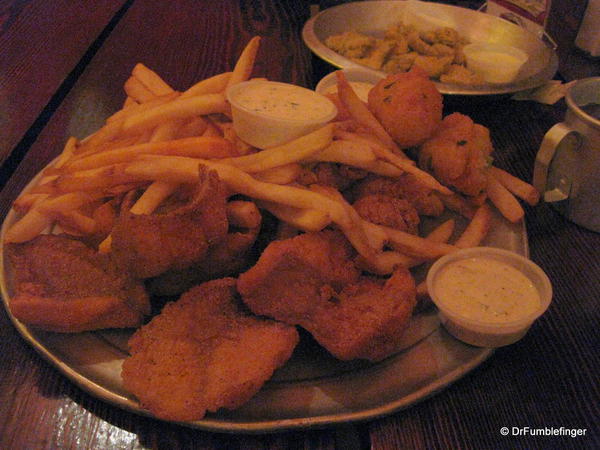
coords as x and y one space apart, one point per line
373 17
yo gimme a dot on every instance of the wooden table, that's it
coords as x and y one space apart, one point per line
63 65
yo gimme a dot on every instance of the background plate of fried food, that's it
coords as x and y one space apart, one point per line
158 147
370 21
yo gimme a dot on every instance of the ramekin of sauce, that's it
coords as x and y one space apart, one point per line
496 63
269 113
488 297
361 80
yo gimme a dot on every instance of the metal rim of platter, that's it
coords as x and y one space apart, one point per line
373 17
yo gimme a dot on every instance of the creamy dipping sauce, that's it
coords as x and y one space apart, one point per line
361 88
487 290
497 58
284 101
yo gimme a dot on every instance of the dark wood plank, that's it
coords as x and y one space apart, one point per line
41 43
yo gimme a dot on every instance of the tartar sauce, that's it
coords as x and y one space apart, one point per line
285 101
498 58
486 290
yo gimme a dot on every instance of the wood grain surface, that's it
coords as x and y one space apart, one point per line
548 379
42 47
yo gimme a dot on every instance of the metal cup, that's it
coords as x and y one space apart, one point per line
567 165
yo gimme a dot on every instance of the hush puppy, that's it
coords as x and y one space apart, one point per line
408 105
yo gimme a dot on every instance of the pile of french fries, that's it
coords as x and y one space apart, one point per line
156 143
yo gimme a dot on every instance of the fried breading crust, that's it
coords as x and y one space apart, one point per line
204 352
310 281
366 319
292 275
64 286
149 245
408 105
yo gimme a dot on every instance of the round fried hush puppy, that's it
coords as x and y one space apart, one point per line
408 105
458 154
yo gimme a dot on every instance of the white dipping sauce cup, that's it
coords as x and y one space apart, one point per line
496 63
264 129
328 82
481 333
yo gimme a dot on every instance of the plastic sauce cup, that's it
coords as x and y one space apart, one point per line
487 333
268 113
328 83
496 63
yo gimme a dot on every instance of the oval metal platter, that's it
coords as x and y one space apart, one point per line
312 390
374 17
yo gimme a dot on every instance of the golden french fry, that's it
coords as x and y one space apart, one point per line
166 131
294 151
301 219
74 223
354 230
85 150
137 91
383 168
404 164
457 203
243 214
87 180
27 227
153 196
63 158
477 228
518 187
280 175
175 109
213 85
504 200
108 132
442 233
245 63
65 203
197 147
138 108
185 170
212 130
196 126
228 132
151 80
41 215
26 201
359 112
376 238
410 244
346 152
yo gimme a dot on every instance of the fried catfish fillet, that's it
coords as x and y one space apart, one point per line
226 258
293 275
310 281
64 286
204 352
147 245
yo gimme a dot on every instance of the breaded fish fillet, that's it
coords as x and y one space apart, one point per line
62 285
309 281
147 245
293 275
204 352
